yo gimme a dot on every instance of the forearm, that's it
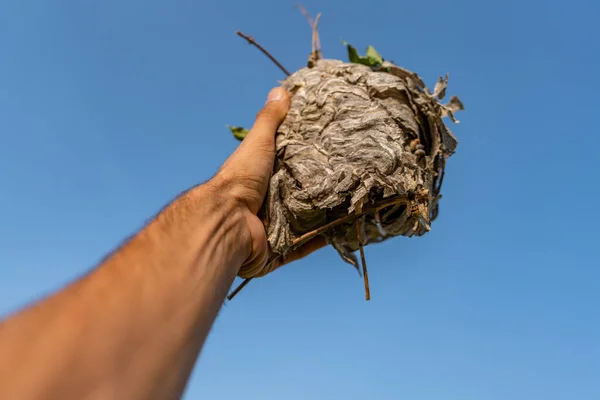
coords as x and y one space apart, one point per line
133 327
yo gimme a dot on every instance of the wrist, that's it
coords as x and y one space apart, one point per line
229 227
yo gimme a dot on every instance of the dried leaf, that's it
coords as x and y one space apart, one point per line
453 106
238 132
410 77
439 90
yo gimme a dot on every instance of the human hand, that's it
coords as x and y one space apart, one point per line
244 178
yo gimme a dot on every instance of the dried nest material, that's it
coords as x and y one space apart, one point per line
357 143
360 158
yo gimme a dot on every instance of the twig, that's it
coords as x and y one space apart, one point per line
316 53
316 46
239 288
363 260
305 13
309 235
439 185
311 22
347 218
247 280
251 40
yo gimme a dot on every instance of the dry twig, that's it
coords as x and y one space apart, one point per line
251 40
348 218
313 25
363 260
238 289
315 55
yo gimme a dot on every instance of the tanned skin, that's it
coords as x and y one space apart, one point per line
134 326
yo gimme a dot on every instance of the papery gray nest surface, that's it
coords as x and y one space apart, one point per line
358 143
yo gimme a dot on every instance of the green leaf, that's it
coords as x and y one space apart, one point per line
374 56
238 132
352 53
371 59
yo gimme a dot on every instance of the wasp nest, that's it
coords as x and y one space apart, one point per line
360 157
359 145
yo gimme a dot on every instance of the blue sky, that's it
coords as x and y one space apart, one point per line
109 109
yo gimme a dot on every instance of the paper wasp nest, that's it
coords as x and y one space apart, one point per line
357 143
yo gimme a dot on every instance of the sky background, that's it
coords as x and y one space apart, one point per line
108 109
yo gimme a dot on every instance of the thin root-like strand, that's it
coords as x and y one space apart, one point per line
251 40
363 261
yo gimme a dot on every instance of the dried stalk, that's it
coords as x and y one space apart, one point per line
239 288
316 232
316 47
363 260
312 24
246 281
251 40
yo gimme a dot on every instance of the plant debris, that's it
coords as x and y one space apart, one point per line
238 132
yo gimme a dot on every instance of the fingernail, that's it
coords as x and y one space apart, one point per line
276 94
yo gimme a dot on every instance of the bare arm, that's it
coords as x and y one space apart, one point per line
133 328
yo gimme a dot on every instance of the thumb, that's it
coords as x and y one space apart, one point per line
251 164
262 134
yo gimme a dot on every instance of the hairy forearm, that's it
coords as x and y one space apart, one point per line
134 326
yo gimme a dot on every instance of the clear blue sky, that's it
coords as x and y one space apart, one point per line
110 108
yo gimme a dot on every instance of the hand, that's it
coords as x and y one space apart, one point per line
245 178
161 291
